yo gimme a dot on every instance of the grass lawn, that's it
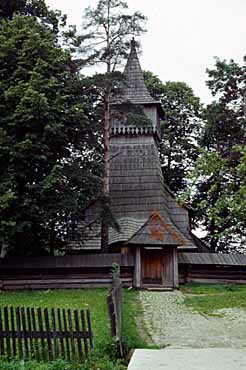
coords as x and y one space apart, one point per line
207 298
81 298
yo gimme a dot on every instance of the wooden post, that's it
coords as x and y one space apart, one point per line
137 271
175 268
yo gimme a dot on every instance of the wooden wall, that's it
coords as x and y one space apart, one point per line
212 274
96 270
63 272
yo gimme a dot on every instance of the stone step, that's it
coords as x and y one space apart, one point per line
158 289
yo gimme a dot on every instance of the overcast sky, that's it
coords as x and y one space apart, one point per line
183 35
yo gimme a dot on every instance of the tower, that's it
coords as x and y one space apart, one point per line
141 203
152 226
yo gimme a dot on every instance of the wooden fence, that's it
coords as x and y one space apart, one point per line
45 334
212 268
63 272
114 301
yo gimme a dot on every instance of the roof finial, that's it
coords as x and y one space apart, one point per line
133 44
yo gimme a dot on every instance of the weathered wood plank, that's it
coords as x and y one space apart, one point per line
34 327
12 320
6 328
41 330
18 325
60 329
82 315
1 334
23 319
65 325
137 272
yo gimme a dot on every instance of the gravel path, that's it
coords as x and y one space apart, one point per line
170 323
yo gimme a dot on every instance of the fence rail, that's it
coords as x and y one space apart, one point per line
45 334
114 301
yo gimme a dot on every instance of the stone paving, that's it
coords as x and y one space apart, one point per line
171 324
190 341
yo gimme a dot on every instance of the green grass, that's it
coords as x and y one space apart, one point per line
131 310
64 298
206 299
105 352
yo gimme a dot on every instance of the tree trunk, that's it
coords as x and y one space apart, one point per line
106 147
104 228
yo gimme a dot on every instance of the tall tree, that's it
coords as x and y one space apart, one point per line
217 178
109 29
180 129
35 8
44 152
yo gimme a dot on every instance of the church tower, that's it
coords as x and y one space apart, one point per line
141 203
152 226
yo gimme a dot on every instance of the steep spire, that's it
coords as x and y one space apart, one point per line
135 91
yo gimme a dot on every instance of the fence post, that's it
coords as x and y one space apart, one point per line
114 303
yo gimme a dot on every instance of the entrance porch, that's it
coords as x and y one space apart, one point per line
156 267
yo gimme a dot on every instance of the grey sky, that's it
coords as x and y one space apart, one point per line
183 35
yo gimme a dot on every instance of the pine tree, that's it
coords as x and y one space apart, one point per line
109 29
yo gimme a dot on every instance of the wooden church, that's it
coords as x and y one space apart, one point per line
153 228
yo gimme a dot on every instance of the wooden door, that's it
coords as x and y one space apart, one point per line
157 266
168 268
152 266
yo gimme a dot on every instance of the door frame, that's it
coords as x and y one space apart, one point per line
138 278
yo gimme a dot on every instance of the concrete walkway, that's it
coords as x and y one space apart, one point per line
189 359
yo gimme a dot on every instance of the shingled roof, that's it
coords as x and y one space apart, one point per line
158 231
135 91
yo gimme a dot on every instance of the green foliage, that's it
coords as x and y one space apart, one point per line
45 148
34 8
218 181
219 194
180 129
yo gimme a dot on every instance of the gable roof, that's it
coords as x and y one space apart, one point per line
158 231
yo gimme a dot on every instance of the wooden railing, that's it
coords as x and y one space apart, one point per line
45 334
114 301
